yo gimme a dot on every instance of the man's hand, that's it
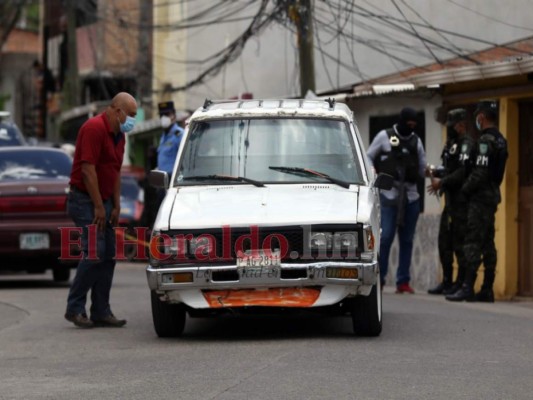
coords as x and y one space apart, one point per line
115 214
99 217
435 186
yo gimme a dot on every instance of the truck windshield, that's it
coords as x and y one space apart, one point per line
249 147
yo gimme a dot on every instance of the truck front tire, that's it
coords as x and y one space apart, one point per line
169 319
367 313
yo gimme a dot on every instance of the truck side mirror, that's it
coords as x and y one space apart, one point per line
384 181
158 179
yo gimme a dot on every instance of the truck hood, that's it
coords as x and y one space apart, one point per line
245 205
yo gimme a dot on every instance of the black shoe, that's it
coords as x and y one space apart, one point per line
80 320
440 288
453 288
109 321
485 296
465 293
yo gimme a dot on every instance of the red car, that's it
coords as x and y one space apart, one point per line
33 195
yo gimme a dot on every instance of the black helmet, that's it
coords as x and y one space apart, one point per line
489 108
455 116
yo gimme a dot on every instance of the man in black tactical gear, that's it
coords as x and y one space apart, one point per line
482 188
448 180
399 152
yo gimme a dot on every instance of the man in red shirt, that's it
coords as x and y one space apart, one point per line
94 205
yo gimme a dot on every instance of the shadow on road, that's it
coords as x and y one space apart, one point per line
240 328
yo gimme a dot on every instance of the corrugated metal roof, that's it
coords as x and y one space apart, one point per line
497 61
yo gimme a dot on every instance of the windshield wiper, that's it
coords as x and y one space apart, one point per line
223 178
307 171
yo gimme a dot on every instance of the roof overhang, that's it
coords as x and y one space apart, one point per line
368 90
473 73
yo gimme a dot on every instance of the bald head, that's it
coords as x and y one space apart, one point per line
122 105
124 100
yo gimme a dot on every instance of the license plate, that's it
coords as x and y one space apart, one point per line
259 259
34 241
342 273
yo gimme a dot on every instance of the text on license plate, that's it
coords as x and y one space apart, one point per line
34 241
259 259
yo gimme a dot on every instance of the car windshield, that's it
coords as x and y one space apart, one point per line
10 135
34 164
250 147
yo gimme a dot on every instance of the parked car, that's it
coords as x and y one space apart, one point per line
271 205
33 194
10 134
131 209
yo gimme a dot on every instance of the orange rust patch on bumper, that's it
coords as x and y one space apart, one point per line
275 297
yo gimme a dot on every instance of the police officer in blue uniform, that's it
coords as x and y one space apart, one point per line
170 139
482 189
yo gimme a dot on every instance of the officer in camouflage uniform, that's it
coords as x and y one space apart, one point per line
482 188
448 180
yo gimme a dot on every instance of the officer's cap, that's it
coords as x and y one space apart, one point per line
455 116
489 108
166 107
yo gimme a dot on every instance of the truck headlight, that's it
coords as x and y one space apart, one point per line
166 249
201 246
345 240
320 240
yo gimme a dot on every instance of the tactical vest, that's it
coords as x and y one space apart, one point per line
450 156
401 160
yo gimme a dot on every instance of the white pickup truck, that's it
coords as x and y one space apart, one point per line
272 205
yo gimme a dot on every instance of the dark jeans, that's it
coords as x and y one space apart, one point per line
95 275
406 234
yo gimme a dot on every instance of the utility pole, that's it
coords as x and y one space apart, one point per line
302 15
71 88
143 65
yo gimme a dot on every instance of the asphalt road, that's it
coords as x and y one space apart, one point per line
429 349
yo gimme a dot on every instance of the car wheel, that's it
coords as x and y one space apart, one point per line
169 319
61 273
367 312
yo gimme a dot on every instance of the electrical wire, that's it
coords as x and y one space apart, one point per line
489 17
416 33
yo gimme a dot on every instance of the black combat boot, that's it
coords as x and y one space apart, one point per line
465 293
454 287
485 295
441 288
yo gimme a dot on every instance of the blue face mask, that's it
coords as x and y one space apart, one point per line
128 125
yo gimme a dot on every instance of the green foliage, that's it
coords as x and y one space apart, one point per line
3 99
32 15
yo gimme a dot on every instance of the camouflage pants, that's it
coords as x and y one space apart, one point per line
452 234
479 242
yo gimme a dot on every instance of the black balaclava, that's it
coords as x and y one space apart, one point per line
407 114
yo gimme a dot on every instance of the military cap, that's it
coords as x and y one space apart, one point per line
489 108
166 107
455 116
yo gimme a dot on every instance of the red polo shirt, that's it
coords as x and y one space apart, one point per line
98 145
